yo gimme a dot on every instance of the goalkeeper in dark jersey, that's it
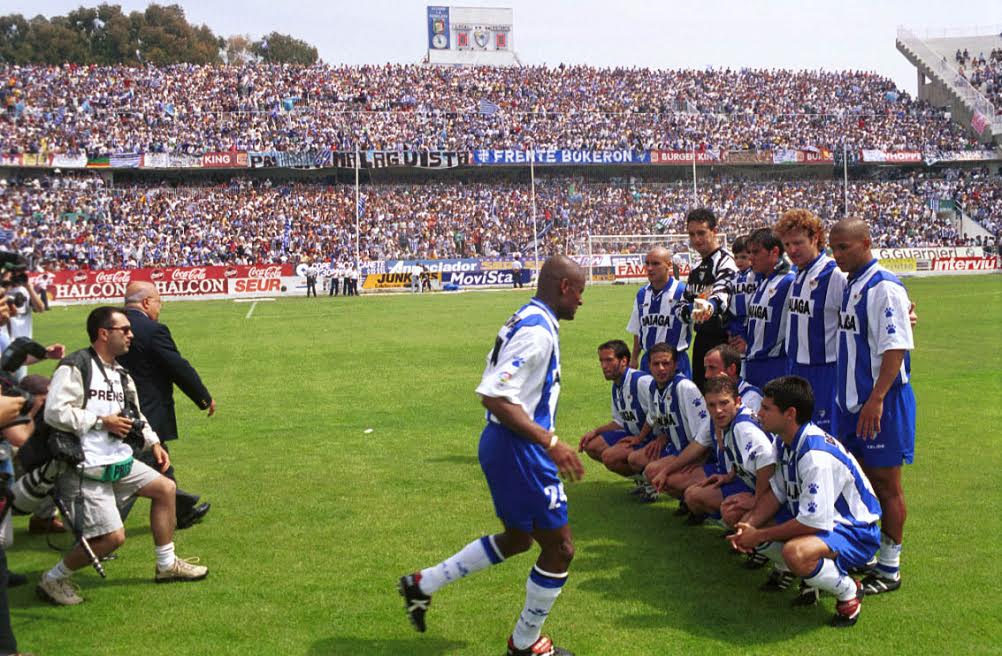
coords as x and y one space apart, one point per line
709 289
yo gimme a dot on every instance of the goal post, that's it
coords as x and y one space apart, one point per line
620 258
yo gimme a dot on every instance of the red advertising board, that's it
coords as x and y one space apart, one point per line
683 157
229 159
235 280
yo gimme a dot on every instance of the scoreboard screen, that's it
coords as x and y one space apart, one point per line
470 35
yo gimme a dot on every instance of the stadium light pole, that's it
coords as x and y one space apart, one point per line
845 178
358 263
695 196
532 195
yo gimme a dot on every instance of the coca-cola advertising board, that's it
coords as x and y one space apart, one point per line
233 281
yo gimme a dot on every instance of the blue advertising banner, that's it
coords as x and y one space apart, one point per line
579 157
438 28
486 278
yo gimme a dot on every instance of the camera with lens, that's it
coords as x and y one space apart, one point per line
135 437
17 299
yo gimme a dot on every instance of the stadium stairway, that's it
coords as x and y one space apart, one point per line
935 61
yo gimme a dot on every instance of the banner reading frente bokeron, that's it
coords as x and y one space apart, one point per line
172 282
509 157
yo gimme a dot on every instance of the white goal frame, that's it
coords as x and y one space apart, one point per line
636 247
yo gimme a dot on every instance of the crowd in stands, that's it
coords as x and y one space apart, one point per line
67 221
984 73
191 109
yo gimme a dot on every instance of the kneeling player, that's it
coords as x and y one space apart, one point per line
825 510
746 458
630 389
676 414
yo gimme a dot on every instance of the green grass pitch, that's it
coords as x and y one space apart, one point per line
313 519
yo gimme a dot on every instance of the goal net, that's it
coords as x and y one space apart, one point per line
620 258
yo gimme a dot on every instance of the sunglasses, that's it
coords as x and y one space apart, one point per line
125 329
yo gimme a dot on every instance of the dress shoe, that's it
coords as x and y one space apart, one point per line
193 515
42 525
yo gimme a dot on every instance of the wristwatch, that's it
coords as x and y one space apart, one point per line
99 424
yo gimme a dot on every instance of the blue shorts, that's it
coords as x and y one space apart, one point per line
611 437
760 372
711 469
737 486
853 546
682 366
894 445
822 380
524 485
668 450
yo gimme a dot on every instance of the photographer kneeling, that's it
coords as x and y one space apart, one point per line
95 399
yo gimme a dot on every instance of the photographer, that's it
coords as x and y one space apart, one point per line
10 408
23 301
94 399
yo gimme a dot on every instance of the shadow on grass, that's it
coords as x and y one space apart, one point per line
418 646
455 460
685 577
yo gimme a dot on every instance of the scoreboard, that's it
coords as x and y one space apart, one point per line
470 35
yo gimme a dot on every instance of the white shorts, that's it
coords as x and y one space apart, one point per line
98 502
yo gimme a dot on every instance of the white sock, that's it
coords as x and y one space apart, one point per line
165 556
827 577
477 555
889 558
59 572
541 590
774 552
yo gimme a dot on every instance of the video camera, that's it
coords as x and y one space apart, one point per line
12 358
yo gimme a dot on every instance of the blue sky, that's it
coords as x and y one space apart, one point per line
846 34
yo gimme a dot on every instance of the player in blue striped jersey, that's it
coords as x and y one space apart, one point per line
876 405
745 453
745 283
522 459
654 319
629 391
824 508
812 309
675 415
699 460
765 355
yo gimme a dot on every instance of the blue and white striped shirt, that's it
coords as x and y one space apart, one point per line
873 320
630 397
813 306
745 284
677 411
821 484
746 447
654 318
766 315
524 365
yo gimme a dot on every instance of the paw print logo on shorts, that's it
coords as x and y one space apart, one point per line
702 414
697 402
889 312
891 329
813 488
812 507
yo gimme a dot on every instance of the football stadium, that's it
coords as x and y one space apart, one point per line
303 323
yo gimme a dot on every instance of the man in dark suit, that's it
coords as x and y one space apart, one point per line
156 366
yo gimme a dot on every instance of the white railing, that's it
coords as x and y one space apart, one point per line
958 32
949 73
